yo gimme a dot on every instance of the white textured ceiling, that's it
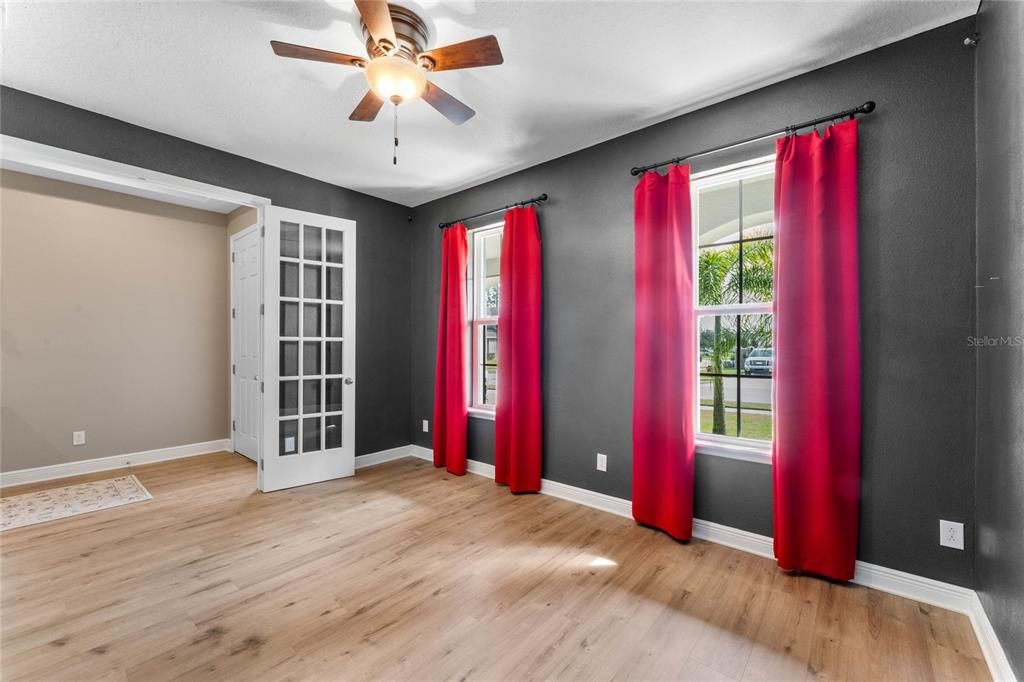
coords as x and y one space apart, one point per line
575 73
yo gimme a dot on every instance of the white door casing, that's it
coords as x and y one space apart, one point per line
309 335
246 295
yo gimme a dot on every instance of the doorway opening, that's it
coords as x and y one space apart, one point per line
148 368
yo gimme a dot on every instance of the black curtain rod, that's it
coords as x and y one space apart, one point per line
865 108
535 200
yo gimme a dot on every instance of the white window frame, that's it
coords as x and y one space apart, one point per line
732 447
477 319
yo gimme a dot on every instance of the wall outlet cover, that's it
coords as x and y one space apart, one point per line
951 534
426 426
78 437
602 462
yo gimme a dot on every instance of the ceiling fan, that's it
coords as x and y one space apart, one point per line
397 66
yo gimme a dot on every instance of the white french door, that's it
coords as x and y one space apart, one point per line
309 336
245 348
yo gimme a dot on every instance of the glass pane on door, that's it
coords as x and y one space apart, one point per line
312 289
289 319
311 434
334 363
289 240
289 280
334 321
332 401
288 437
311 281
289 360
332 432
334 286
334 240
311 242
311 320
311 396
311 358
288 399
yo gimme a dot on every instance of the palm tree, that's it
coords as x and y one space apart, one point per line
718 282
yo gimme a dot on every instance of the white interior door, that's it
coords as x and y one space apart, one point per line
309 367
245 348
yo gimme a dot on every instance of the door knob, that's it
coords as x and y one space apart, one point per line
349 380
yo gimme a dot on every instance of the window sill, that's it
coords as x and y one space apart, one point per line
744 453
481 414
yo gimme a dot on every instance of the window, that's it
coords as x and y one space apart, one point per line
733 212
484 285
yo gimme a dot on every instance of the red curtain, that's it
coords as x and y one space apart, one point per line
664 354
518 414
450 404
816 449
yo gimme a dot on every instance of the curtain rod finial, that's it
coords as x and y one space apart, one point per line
867 107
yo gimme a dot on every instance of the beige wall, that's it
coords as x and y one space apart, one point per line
114 317
241 218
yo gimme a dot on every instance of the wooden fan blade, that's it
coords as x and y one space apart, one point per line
367 108
377 17
451 108
312 53
477 52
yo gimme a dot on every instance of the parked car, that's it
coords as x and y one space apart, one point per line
760 361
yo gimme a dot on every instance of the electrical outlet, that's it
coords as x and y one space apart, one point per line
78 437
951 534
602 462
426 426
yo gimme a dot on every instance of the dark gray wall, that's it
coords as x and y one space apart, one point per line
1000 452
917 237
382 353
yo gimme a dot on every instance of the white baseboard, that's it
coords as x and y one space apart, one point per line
381 456
472 466
88 466
995 656
421 452
588 498
925 590
743 540
918 588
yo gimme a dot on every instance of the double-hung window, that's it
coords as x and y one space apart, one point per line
483 290
735 252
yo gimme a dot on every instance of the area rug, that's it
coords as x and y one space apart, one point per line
59 503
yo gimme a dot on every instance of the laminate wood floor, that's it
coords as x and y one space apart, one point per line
407 572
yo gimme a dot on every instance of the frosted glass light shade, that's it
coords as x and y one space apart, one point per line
395 77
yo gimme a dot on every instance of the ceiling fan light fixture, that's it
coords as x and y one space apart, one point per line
394 77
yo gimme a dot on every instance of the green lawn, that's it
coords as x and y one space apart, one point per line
756 426
732 404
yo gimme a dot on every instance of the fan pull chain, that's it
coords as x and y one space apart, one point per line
394 158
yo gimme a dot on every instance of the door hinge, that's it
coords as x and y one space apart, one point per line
232 313
263 230
261 465
232 369
232 258
261 387
234 427
261 308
